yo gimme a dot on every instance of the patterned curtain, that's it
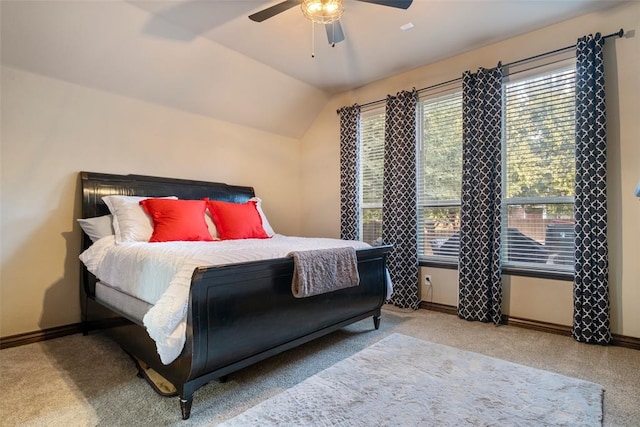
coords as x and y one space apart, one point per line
591 288
399 211
349 172
480 290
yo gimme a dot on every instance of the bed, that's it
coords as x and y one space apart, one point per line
238 314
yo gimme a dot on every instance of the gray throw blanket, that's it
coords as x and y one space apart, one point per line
323 270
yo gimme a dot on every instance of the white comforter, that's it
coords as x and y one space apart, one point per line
160 274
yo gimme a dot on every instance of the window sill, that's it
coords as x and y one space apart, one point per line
511 271
451 265
553 275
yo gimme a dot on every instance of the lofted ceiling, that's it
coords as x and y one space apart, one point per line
206 57
375 46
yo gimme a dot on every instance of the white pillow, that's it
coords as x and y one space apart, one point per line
97 227
130 222
211 225
265 221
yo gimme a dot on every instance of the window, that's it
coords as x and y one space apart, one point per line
440 175
371 173
538 171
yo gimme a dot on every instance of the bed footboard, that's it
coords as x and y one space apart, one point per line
242 310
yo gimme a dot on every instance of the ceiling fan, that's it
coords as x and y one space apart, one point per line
327 12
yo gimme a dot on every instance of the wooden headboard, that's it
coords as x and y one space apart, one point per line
96 185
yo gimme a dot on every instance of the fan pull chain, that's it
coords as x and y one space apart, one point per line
313 41
333 36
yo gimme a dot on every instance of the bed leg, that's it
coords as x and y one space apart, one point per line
223 379
185 407
376 321
84 325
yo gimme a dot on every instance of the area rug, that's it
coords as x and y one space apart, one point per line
404 381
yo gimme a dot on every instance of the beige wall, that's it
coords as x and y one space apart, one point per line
537 299
530 298
51 130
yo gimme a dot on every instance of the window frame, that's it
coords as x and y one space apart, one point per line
375 110
528 269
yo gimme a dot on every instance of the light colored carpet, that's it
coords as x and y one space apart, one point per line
89 381
406 381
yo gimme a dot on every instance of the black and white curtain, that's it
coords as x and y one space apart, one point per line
349 172
399 209
591 287
480 290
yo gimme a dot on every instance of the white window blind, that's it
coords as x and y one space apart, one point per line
440 175
538 171
371 173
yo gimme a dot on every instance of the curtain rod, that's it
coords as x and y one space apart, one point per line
619 33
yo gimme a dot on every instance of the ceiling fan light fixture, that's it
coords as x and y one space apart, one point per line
322 11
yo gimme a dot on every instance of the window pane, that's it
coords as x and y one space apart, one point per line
371 174
540 135
372 225
372 156
441 152
540 235
441 231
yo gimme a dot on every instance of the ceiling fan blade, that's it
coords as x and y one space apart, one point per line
400 4
334 32
273 10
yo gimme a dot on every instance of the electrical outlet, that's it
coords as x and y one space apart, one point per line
427 279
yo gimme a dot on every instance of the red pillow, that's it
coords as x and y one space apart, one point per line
177 219
237 220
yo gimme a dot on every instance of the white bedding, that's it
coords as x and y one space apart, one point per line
160 274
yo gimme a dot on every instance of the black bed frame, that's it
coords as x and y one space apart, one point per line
238 314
